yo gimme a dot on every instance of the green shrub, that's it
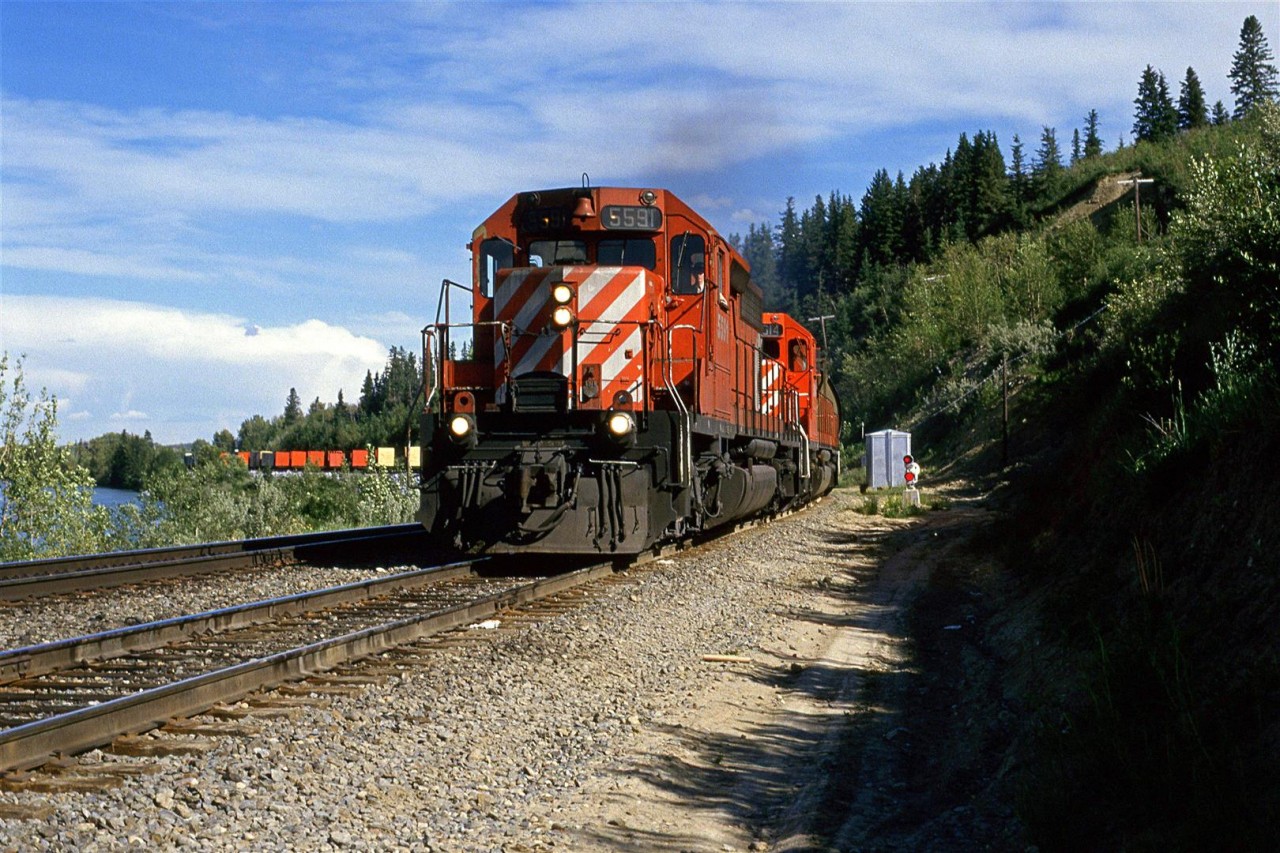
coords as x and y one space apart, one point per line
46 500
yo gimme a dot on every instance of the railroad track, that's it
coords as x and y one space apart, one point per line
77 574
64 697
72 695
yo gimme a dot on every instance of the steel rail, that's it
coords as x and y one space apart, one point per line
32 744
30 661
57 565
73 574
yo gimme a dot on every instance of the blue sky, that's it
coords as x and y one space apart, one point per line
203 205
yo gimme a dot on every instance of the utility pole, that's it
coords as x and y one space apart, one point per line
1137 201
1004 421
823 321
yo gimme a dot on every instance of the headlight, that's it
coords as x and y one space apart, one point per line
620 424
562 316
562 294
460 427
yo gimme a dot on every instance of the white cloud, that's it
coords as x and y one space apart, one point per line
170 370
88 262
368 142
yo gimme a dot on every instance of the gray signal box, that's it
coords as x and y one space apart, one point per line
882 458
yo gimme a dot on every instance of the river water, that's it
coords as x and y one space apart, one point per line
103 496
111 498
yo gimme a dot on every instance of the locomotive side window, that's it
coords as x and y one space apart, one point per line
770 348
688 264
621 253
799 355
546 253
495 254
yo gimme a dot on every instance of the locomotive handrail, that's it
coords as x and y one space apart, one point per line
805 464
431 365
443 343
443 302
793 407
684 459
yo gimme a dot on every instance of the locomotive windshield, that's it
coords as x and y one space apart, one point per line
546 253
622 253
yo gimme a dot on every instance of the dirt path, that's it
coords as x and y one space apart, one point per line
809 742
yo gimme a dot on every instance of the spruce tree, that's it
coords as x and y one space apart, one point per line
989 207
761 253
1048 164
1253 72
789 251
1220 116
881 217
1192 110
1155 118
1019 183
1075 146
1018 175
293 407
1092 142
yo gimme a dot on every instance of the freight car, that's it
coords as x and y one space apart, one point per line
617 383
325 460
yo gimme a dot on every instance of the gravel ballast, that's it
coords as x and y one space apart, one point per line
518 738
26 623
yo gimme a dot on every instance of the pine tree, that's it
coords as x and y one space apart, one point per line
789 251
1075 146
1253 73
1155 118
881 219
1092 142
813 226
1048 164
292 407
989 207
928 212
1220 116
1019 184
368 403
842 238
761 253
1192 110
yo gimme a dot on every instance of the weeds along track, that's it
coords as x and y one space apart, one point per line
76 694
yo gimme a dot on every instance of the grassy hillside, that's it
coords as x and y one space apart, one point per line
1141 525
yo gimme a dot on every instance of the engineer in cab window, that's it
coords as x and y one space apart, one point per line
688 264
799 356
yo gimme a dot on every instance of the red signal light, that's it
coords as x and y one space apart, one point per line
910 469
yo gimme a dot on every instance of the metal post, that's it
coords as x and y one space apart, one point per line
1137 202
823 320
1004 422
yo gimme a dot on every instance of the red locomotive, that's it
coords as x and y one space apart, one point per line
617 384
